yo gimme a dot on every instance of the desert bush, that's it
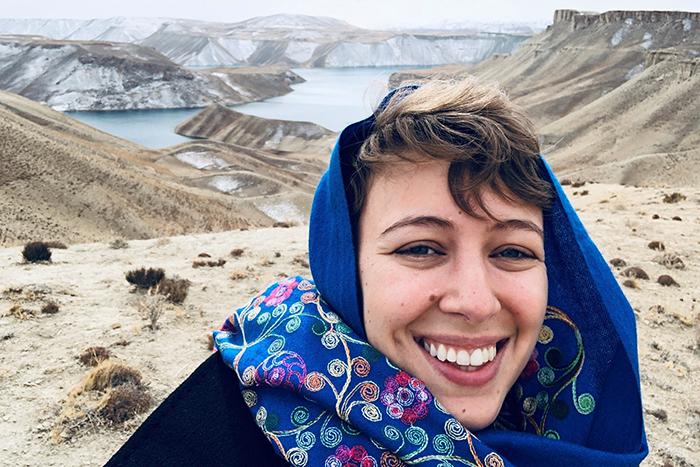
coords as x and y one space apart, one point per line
301 260
92 356
635 273
578 183
145 278
212 264
110 374
123 403
50 308
204 255
19 312
174 290
36 251
118 244
670 261
673 197
151 308
618 262
238 275
237 252
657 245
667 281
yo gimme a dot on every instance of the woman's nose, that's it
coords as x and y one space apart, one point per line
468 291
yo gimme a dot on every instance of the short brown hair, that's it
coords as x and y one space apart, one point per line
488 141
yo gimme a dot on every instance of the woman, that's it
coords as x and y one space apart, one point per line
460 314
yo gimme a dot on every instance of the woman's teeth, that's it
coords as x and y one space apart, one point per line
461 357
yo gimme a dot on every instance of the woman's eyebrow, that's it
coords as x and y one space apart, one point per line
430 221
518 224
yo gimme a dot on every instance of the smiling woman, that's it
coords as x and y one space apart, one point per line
455 294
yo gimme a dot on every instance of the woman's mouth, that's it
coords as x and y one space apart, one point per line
472 366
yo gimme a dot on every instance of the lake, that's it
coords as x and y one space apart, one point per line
331 97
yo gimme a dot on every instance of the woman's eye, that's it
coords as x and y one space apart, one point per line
514 253
418 250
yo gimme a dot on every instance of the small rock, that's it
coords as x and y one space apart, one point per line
657 245
655 216
204 255
618 262
670 260
676 218
667 281
636 273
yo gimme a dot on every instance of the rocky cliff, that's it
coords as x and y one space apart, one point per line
613 93
220 123
101 75
295 40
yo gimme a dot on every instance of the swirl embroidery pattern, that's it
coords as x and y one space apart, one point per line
314 389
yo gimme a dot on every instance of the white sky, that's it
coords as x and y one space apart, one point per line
365 13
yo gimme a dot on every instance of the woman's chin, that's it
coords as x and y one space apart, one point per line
473 421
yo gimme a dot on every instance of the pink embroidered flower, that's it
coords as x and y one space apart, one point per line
405 398
355 456
531 367
282 292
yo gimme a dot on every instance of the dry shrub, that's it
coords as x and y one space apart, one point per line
578 183
266 262
237 252
50 308
110 374
673 197
212 264
565 181
584 193
670 261
34 252
676 218
284 224
21 313
123 403
631 283
655 216
667 281
56 245
657 245
204 255
174 290
238 275
109 395
635 273
92 356
278 254
145 278
151 308
618 262
301 260
118 244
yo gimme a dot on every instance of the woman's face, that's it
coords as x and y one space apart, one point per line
454 300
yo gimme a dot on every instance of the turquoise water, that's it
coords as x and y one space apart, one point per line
331 97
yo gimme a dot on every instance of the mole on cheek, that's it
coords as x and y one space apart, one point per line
432 297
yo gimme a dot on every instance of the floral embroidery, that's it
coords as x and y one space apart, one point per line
317 399
406 398
281 292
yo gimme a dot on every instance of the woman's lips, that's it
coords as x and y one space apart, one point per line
466 375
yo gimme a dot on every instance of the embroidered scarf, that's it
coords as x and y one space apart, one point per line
324 396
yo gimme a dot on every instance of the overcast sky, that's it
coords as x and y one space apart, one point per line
365 13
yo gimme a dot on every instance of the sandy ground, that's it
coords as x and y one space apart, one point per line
38 365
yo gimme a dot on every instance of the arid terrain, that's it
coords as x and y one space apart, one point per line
97 307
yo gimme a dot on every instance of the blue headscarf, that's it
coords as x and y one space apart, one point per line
324 396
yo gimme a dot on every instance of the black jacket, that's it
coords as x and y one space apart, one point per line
204 422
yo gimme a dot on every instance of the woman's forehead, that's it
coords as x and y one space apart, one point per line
406 189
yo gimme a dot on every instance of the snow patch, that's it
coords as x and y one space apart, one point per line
280 210
202 160
687 24
227 184
634 71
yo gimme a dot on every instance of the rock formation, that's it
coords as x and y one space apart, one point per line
65 181
220 123
100 75
613 94
291 40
